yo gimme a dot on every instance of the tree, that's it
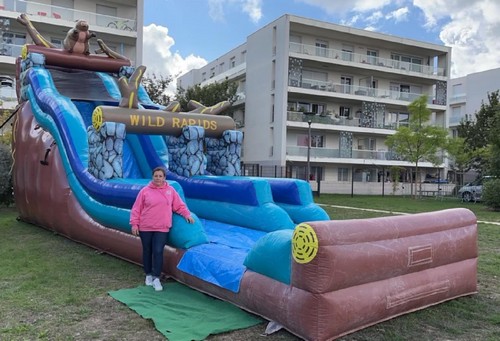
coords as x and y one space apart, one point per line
5 131
419 141
477 133
208 95
460 157
156 87
494 147
6 196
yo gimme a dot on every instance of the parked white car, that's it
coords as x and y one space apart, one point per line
473 190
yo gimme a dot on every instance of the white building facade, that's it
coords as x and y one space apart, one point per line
466 94
353 86
119 23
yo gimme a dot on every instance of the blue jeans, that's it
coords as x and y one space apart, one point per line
152 251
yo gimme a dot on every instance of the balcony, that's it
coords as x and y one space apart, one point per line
297 116
457 99
344 56
380 122
347 154
341 89
10 50
43 11
335 153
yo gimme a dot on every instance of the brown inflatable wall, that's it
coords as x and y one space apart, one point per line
363 271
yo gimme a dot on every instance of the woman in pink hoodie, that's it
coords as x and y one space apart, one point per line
151 219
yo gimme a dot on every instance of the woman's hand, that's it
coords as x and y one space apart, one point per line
190 220
135 230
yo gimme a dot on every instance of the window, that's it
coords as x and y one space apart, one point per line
14 38
372 57
313 79
272 108
295 44
343 174
347 53
57 42
321 48
404 118
302 140
106 15
346 83
12 43
63 9
367 144
274 41
318 108
405 91
457 89
317 141
345 112
304 107
407 62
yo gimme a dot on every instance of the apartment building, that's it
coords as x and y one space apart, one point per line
324 97
119 23
466 94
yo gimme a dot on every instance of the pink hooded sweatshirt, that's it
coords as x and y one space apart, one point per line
153 207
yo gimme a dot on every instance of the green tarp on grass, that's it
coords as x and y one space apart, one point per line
183 314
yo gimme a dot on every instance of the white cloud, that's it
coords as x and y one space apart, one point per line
216 9
254 9
251 7
336 7
374 17
159 58
472 31
401 14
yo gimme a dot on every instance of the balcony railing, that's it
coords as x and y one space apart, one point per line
346 154
335 153
64 13
364 59
378 122
10 50
357 90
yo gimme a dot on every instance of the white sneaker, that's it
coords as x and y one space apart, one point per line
157 284
149 280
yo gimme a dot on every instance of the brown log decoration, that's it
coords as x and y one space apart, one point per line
104 49
37 38
197 107
62 58
156 122
129 88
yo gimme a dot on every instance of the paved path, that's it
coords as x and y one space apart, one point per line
395 212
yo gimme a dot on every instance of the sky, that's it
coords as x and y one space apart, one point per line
180 35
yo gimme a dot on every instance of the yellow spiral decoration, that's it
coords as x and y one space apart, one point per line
24 51
97 118
304 244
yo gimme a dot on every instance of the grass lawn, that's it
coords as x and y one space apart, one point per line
54 289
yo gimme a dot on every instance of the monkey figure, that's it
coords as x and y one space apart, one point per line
77 38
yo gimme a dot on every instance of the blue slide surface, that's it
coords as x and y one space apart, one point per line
232 213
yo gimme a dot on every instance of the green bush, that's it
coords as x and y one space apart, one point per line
6 186
491 194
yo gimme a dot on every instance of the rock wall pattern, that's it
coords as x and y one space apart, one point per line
106 150
224 154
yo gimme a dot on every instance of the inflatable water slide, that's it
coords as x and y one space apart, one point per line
86 138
